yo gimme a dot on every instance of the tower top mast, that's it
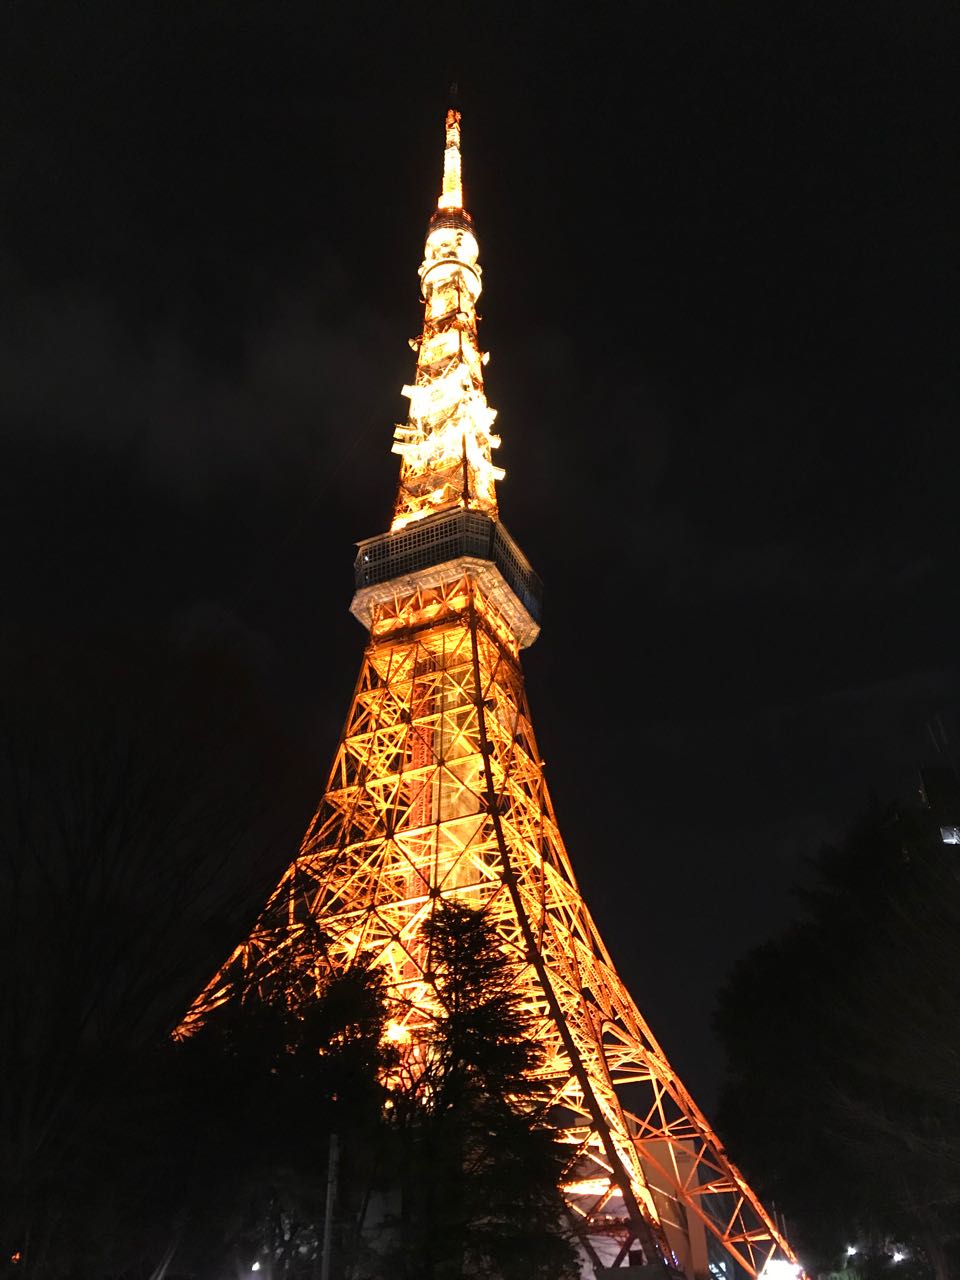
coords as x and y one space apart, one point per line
446 443
451 196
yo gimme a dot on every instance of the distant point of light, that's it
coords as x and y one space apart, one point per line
255 1267
898 1256
397 1033
851 1250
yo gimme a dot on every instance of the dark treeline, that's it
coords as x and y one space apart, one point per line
842 1036
147 810
147 800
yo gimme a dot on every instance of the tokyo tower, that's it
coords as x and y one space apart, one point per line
437 791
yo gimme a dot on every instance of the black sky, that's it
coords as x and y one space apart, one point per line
721 271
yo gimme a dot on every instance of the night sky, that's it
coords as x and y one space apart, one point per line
721 267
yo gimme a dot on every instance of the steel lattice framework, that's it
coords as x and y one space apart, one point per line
437 791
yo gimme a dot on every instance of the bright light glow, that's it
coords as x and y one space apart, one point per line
588 1187
255 1267
851 1250
397 1032
780 1269
898 1256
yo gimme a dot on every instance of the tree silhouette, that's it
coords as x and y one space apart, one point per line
262 1087
146 799
843 1043
478 1170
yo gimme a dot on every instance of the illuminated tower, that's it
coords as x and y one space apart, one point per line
437 791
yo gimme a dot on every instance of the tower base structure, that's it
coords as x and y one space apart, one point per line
437 791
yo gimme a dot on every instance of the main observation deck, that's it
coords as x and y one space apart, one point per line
396 561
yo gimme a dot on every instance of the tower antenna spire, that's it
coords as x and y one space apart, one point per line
451 196
446 444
